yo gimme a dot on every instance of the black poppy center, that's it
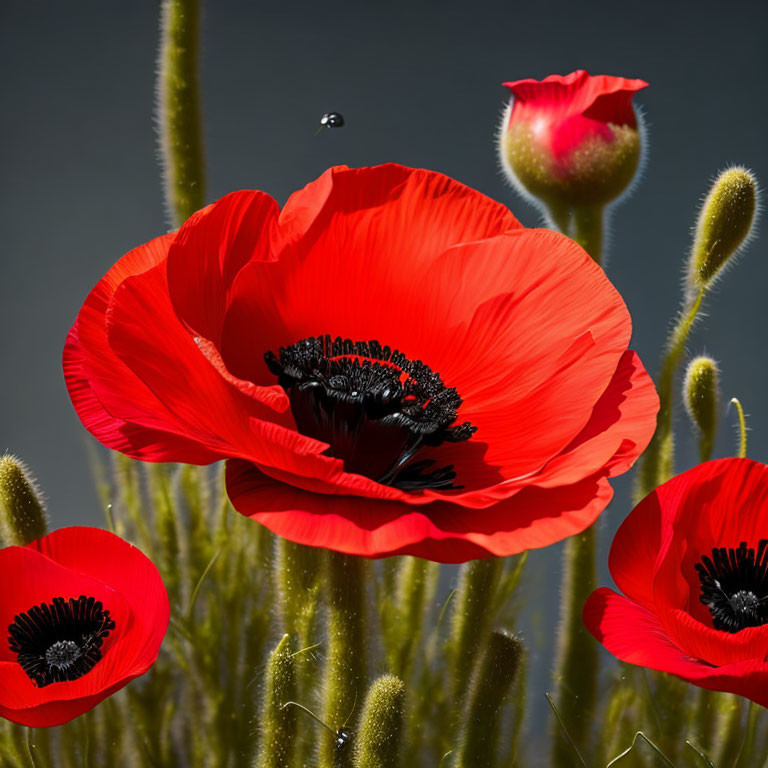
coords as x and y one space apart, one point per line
734 586
60 640
373 406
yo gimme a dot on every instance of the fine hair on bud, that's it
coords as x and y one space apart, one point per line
701 395
726 221
21 506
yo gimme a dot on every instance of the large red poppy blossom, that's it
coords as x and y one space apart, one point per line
391 363
574 137
85 613
692 562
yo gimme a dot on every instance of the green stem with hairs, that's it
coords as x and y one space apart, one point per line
587 230
471 619
657 464
577 666
277 721
179 113
577 663
344 680
491 681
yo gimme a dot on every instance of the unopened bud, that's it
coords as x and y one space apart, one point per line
571 141
724 223
378 741
21 510
701 394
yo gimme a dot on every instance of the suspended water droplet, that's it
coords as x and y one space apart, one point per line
332 120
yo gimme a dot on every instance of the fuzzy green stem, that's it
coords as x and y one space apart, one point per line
588 230
278 722
747 754
471 619
415 583
742 450
576 665
21 510
560 217
491 681
179 113
730 731
378 743
658 460
297 574
345 665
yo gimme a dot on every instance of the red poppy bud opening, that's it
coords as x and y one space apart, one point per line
572 140
86 613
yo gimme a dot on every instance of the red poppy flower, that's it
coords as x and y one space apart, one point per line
86 613
572 138
692 560
392 364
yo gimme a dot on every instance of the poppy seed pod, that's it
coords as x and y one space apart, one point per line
724 224
571 141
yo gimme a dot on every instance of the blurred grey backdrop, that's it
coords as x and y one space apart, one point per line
418 83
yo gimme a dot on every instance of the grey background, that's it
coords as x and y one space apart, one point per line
418 83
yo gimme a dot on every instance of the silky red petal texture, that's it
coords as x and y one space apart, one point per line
660 622
68 563
564 110
166 360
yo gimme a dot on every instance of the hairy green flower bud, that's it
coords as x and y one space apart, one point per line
701 394
21 510
378 741
724 224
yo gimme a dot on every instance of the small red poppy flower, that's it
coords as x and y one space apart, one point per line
571 140
85 613
692 562
391 363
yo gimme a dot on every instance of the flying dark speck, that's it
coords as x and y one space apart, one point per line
332 120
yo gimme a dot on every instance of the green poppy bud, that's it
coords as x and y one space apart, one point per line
724 224
701 394
21 510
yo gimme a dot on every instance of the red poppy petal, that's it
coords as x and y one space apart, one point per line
207 406
90 365
619 430
642 541
439 531
532 361
601 97
208 252
43 579
700 524
635 635
713 645
102 555
401 219
52 713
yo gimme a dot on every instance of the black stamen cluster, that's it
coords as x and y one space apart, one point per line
349 393
734 586
60 640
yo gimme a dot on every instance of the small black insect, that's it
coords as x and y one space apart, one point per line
332 120
342 737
